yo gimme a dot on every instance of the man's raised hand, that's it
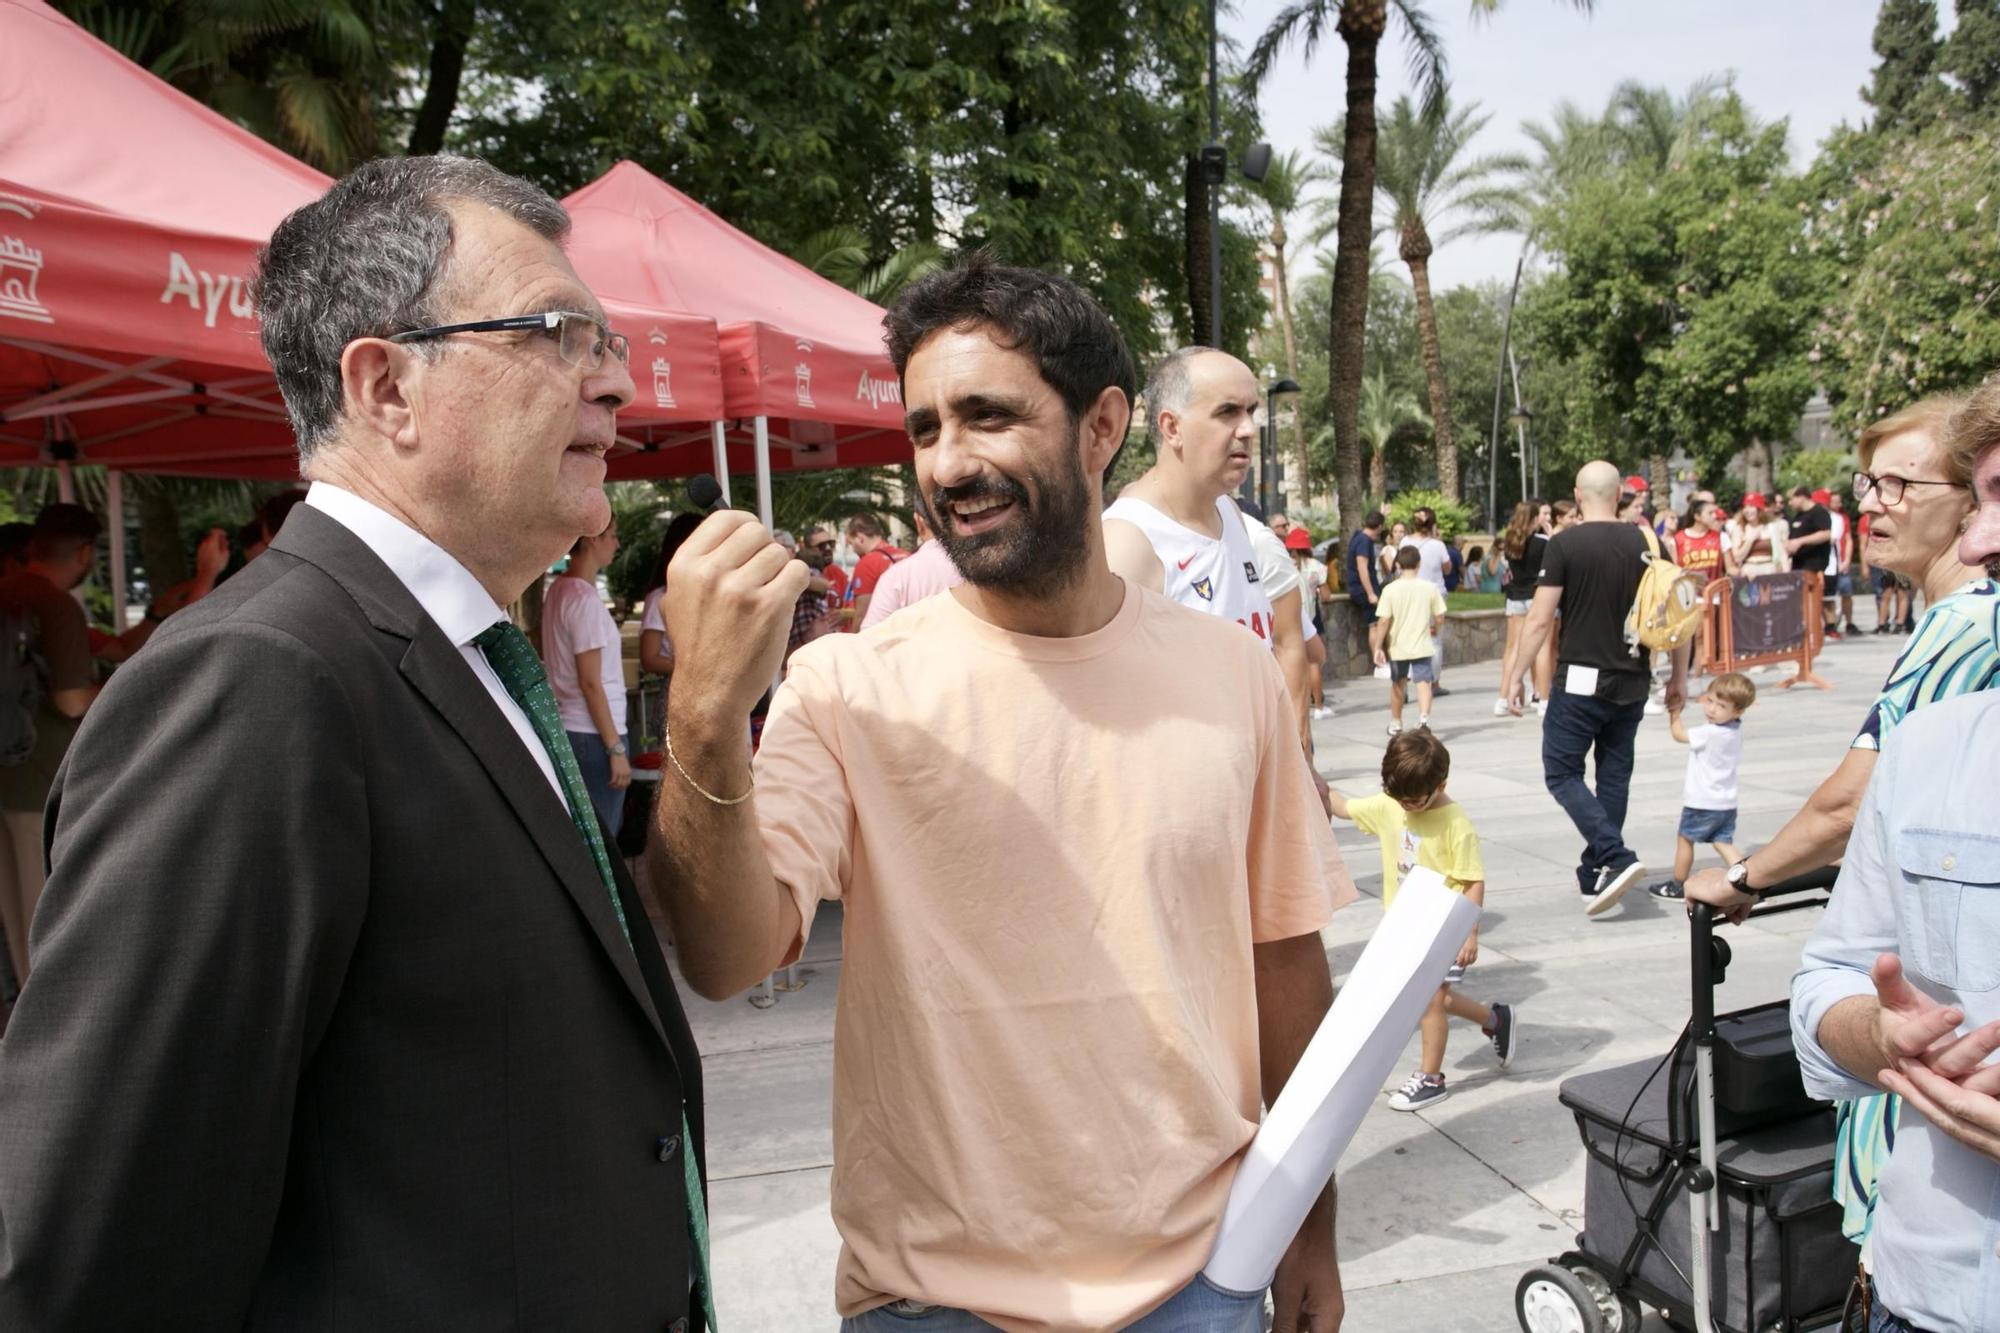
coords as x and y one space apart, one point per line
728 608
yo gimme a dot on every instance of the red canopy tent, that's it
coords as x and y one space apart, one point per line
130 219
802 358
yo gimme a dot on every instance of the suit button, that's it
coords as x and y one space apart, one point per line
668 1146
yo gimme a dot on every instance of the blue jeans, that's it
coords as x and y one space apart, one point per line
1881 1321
594 758
1199 1307
1575 724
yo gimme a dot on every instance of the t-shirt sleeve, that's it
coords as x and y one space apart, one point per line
1275 570
1438 604
65 644
1552 565
1371 814
869 572
1297 878
805 813
1461 852
655 619
582 619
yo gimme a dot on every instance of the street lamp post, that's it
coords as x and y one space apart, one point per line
1214 174
1521 416
1268 495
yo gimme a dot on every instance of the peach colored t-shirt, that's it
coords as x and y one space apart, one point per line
1054 856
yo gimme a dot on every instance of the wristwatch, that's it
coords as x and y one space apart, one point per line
1739 876
619 749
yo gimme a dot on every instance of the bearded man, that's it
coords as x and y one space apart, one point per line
1083 887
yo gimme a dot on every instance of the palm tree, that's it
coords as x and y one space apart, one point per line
1423 176
1384 412
1282 190
1652 128
840 254
1361 25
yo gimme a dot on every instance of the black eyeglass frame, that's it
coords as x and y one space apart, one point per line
1864 482
617 344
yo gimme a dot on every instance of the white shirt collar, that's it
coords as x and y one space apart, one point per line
444 588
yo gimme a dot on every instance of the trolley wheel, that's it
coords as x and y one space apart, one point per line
1621 1312
1630 1314
1549 1299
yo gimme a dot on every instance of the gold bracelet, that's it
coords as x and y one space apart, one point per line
674 759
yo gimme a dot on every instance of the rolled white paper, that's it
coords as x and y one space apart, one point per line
1337 1079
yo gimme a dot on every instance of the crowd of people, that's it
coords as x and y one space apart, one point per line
337 952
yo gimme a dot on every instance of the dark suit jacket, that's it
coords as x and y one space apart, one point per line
331 1024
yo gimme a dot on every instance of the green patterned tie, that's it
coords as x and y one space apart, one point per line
513 659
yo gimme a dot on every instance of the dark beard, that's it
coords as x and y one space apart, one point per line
1041 549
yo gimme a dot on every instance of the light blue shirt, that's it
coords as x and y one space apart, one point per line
1922 880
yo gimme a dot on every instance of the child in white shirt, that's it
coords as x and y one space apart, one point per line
1708 800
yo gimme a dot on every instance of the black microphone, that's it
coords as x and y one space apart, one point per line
705 493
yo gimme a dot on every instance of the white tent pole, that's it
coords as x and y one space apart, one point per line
719 441
764 470
65 483
114 500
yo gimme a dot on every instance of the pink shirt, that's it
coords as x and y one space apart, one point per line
928 571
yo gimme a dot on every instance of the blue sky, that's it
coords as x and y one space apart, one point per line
1804 60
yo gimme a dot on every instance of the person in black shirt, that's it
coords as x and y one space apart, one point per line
1363 583
1591 574
1811 542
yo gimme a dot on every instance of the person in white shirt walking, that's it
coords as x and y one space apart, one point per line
585 657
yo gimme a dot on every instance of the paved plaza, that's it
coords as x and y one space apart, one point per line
1442 1210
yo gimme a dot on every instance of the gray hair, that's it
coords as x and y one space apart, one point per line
1169 385
366 260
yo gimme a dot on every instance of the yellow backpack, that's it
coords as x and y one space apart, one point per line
1666 612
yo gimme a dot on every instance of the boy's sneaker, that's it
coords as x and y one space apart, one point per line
1395 728
1424 722
1669 890
1851 630
1500 708
1611 886
1419 1091
1503 1032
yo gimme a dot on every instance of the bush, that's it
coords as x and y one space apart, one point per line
1453 517
1817 469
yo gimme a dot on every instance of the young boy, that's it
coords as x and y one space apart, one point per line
1419 825
1405 636
1708 800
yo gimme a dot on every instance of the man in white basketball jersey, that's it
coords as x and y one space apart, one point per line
1176 530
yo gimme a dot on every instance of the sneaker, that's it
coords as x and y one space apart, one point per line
1424 722
1500 708
1321 713
1503 1033
1439 692
1833 636
1668 890
1611 886
1395 728
1851 630
1655 706
1541 708
1419 1091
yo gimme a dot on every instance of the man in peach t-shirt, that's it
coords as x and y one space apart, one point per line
1083 864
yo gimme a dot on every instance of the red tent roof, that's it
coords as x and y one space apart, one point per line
797 349
130 219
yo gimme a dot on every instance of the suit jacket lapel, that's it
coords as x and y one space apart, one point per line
435 668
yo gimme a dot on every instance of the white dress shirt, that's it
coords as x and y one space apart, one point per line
447 592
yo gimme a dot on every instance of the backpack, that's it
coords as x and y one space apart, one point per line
1666 611
20 685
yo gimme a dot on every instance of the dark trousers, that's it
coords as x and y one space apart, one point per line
1575 724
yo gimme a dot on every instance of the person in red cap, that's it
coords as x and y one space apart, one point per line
1811 542
1312 592
1635 482
1758 538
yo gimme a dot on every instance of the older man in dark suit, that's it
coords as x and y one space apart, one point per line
345 1013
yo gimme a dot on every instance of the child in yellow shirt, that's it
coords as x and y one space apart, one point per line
1419 825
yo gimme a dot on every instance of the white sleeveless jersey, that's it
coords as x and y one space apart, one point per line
1219 577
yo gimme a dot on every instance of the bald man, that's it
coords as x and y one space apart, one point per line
1590 573
1175 530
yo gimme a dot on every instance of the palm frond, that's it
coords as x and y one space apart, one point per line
1426 60
1306 21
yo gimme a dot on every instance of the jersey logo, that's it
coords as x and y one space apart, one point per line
1204 590
1250 570
1183 564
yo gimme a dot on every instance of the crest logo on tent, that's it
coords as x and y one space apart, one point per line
663 388
656 336
20 268
802 375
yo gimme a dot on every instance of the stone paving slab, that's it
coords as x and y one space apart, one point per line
1442 1211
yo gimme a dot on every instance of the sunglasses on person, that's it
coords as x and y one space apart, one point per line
581 339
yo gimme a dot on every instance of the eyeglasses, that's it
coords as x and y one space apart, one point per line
1890 488
581 340
822 546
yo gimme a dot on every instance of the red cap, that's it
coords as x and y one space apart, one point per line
1636 484
1754 501
1822 497
1298 539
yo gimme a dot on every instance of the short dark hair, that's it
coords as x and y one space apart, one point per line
1076 348
60 530
364 261
868 525
1415 765
1409 557
1802 492
1371 519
